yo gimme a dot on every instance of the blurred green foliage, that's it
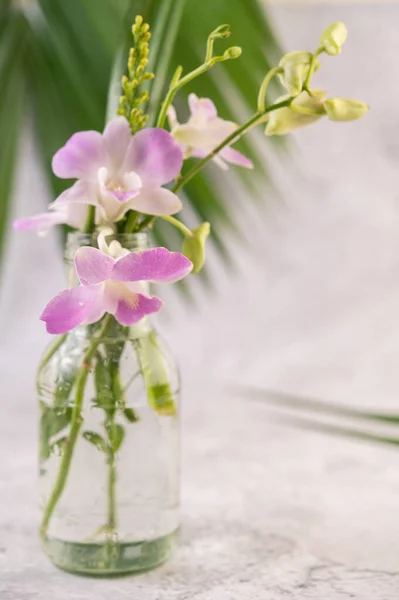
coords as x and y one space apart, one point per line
57 58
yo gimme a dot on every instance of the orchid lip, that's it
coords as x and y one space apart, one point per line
122 188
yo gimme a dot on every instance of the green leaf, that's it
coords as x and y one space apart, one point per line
332 429
52 421
171 46
58 446
317 408
94 438
64 54
69 65
165 31
241 78
103 386
130 415
116 434
12 47
299 403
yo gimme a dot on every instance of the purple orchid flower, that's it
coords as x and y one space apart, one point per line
114 286
116 172
203 132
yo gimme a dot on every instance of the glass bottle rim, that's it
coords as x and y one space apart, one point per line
77 239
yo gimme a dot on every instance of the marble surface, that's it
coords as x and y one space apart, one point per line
269 511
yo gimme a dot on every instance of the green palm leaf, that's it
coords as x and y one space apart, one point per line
13 31
64 53
352 419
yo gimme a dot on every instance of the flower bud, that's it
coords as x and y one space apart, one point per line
342 109
304 110
194 246
222 31
333 38
233 52
295 67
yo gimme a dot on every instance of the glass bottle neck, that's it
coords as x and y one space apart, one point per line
128 241
132 242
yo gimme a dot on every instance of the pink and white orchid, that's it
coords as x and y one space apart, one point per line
71 214
203 132
116 172
113 285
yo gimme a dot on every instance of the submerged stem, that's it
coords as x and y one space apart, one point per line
76 423
111 520
117 400
49 355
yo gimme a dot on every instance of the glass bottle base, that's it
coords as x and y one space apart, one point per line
110 559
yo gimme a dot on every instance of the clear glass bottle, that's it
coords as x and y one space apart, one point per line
109 443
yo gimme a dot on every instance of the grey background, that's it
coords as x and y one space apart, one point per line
269 512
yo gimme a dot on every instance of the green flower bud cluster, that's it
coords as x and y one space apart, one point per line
304 105
308 108
132 99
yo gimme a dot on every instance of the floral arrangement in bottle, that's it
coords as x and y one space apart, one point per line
108 389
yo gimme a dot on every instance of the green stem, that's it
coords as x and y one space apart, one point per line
312 67
131 221
118 402
182 82
264 86
89 225
252 122
223 31
76 423
146 222
111 520
178 224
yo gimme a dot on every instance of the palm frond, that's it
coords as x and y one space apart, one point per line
14 37
233 87
353 419
64 53
336 430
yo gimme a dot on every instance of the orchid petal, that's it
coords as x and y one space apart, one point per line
222 164
172 117
128 314
81 157
92 265
70 308
117 137
154 156
156 201
111 210
82 192
156 264
42 222
205 137
76 215
202 107
236 158
98 308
